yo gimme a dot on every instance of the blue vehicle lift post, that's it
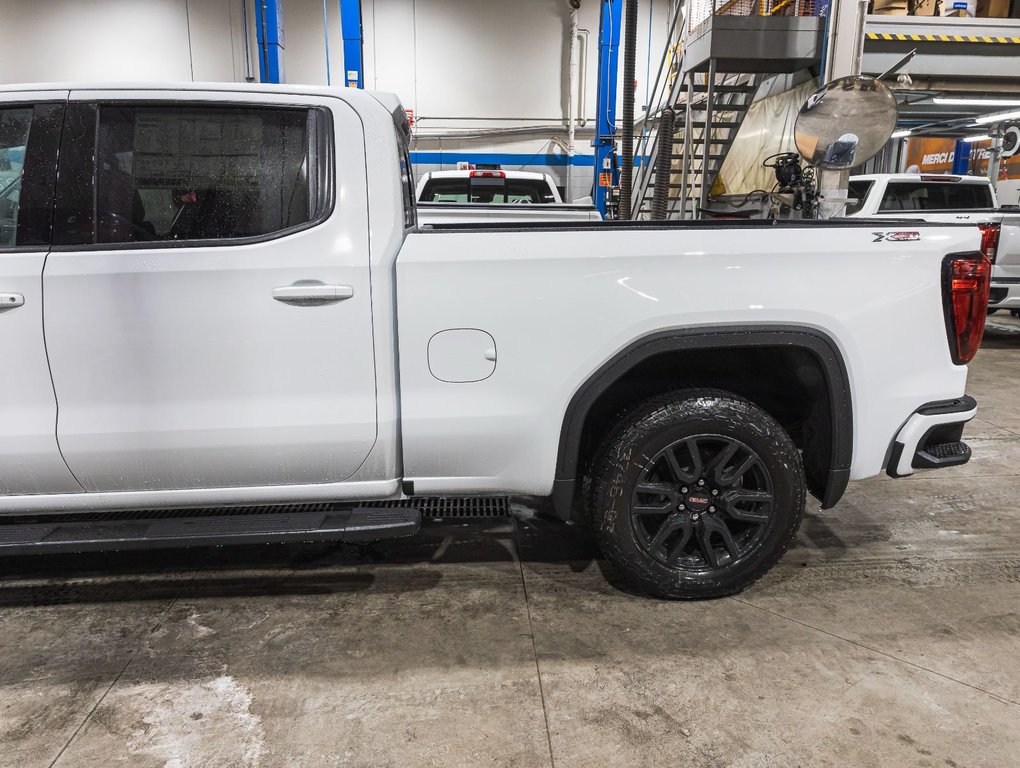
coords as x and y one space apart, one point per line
610 19
269 35
350 26
961 158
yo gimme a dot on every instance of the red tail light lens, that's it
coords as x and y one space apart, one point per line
965 290
989 240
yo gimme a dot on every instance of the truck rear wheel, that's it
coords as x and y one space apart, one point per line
697 494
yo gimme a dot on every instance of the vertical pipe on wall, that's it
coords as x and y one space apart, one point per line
350 25
571 105
269 34
648 58
627 138
249 75
325 36
844 39
605 101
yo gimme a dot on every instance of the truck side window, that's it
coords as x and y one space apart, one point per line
406 181
858 190
195 172
14 127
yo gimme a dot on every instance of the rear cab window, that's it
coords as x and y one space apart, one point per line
935 196
486 189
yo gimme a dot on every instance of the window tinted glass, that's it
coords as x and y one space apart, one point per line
859 190
445 191
406 180
201 173
968 196
935 196
14 127
486 189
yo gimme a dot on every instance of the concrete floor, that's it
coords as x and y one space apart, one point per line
889 636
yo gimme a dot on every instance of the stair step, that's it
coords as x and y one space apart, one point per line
715 124
690 175
676 185
698 88
698 142
153 529
702 106
725 89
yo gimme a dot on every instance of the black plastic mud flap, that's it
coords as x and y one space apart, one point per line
203 527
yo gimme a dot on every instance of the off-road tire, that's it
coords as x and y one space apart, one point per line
655 428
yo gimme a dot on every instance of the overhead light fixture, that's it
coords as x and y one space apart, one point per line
983 137
900 134
977 102
997 118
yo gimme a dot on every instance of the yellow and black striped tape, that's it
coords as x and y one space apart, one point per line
944 38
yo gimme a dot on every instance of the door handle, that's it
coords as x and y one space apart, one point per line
312 293
11 300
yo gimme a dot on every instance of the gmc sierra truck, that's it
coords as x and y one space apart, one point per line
221 324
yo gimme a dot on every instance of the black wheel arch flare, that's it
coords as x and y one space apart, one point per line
816 342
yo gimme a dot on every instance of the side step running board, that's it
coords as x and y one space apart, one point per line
188 528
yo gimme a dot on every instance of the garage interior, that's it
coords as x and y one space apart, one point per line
888 635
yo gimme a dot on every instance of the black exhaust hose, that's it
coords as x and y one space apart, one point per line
627 135
663 165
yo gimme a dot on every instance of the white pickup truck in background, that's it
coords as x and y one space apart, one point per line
1005 289
933 197
949 198
249 338
495 195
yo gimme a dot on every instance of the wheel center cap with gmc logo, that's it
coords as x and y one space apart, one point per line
698 502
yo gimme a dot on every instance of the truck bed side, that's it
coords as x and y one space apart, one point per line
560 302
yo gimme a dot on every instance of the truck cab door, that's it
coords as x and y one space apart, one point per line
30 460
209 316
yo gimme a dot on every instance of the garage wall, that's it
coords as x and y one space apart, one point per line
474 71
124 40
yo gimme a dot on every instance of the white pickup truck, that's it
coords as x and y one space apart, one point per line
1005 290
494 195
222 324
931 196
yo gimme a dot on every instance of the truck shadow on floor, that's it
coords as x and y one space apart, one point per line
400 565
280 569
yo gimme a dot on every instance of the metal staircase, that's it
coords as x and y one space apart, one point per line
711 112
707 81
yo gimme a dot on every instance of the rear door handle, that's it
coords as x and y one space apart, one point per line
11 300
312 293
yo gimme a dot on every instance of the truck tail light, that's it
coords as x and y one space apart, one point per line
989 240
488 175
966 279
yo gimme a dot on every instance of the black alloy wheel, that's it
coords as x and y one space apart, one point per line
702 502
